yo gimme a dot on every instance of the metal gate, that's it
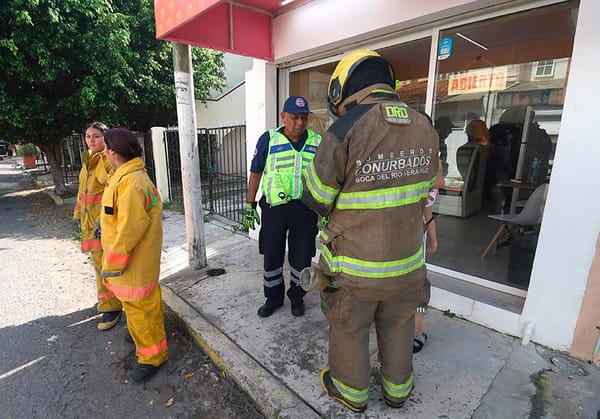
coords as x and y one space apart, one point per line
222 169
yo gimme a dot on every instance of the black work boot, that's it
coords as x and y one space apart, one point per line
143 372
298 308
268 308
331 390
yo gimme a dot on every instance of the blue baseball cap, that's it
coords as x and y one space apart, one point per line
295 105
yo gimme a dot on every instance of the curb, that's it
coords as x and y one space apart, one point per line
57 199
268 393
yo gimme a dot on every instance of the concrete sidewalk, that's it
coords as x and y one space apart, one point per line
464 371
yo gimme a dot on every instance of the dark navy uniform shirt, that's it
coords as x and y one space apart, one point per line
262 149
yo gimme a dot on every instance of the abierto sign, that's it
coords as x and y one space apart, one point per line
482 80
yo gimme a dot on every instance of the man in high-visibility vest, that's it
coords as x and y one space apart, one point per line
371 177
280 157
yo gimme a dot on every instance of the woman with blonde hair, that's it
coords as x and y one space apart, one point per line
94 173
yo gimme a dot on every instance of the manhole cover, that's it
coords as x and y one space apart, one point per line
215 272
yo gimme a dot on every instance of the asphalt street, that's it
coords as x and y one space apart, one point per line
54 363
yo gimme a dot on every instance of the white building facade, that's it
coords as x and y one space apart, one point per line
563 288
513 63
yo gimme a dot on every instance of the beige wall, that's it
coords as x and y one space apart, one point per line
586 333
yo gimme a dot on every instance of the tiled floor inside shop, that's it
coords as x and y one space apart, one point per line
461 242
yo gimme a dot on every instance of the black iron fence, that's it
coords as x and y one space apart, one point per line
74 145
222 166
222 169
145 139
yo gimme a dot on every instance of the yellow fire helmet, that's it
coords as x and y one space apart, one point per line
337 89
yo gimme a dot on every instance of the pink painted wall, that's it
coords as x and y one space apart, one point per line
586 333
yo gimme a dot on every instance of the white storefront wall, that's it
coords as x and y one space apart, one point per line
261 108
571 218
223 112
571 222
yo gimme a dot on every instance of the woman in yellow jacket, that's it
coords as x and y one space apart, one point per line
95 170
131 222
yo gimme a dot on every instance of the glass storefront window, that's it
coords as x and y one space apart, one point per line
500 76
493 78
410 61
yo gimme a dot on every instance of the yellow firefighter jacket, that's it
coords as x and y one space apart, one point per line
93 176
371 176
131 222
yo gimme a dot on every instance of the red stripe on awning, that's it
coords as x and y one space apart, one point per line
242 27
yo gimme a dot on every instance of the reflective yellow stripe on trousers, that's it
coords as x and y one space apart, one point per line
351 394
398 391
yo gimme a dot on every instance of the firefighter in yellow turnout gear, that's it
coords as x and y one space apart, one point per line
132 241
95 170
371 177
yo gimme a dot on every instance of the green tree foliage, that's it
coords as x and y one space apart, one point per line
65 63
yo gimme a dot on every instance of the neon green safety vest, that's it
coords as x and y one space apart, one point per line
282 177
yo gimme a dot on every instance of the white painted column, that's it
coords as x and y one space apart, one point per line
190 156
159 153
261 109
571 223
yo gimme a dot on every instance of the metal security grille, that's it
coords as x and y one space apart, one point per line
222 169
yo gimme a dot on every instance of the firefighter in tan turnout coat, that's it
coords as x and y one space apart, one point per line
371 177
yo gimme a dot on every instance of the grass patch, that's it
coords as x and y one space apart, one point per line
448 313
540 399
239 227
173 206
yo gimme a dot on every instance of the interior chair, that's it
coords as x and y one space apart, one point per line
531 215
471 161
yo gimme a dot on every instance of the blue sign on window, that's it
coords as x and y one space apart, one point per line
445 48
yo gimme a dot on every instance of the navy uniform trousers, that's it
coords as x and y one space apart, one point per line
298 223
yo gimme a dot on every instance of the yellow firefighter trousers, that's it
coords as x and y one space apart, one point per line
106 299
350 322
145 321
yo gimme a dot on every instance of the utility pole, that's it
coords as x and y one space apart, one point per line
190 157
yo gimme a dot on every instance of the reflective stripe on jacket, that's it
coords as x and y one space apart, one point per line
131 232
93 176
282 180
371 176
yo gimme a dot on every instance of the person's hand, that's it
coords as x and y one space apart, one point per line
251 217
431 246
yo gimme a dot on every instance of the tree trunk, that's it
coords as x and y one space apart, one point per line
54 154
